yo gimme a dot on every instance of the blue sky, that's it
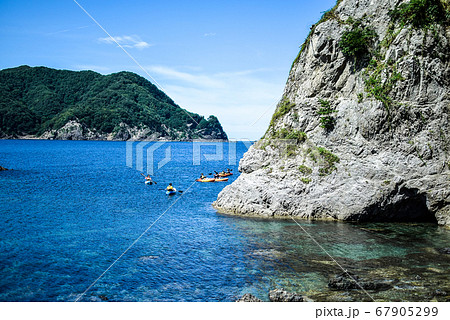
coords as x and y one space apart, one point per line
227 58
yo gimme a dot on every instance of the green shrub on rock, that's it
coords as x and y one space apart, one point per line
298 136
284 107
355 42
327 121
305 170
305 180
329 161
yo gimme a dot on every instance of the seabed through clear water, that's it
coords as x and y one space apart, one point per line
69 209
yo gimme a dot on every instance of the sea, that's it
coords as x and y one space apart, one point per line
78 223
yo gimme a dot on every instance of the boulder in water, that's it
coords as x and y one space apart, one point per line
248 298
281 295
349 281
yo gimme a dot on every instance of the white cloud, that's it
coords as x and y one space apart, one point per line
243 101
126 41
66 30
142 45
209 34
198 80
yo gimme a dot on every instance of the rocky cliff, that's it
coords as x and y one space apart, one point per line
362 130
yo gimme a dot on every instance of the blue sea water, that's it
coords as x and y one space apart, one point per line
69 209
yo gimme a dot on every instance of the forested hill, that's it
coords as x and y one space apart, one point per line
61 104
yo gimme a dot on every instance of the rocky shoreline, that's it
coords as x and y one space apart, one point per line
380 282
73 130
276 295
28 137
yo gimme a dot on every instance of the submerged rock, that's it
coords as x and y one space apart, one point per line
248 298
439 292
276 295
148 258
281 295
3 169
95 299
349 281
368 138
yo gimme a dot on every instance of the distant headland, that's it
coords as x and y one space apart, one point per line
45 103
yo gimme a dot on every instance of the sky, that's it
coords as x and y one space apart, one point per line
228 58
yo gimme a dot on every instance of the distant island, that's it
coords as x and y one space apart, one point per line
45 103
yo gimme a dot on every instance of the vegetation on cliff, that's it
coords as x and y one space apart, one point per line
40 99
421 13
325 111
329 14
357 41
418 13
369 91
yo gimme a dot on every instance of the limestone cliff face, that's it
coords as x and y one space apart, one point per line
368 134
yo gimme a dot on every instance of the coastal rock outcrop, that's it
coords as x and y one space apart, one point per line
348 281
74 130
362 130
248 297
281 295
275 295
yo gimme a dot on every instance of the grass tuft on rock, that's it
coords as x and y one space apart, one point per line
283 108
327 15
330 160
305 180
305 170
298 136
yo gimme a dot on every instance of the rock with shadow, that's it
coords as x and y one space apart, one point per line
281 295
348 281
276 295
248 298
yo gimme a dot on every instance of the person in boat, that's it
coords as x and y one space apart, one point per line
216 176
169 187
228 170
148 178
202 176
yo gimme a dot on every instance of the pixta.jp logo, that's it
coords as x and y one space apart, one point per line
142 155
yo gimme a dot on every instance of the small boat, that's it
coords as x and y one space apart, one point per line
221 179
206 180
225 174
171 192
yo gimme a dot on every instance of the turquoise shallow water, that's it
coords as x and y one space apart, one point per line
69 209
